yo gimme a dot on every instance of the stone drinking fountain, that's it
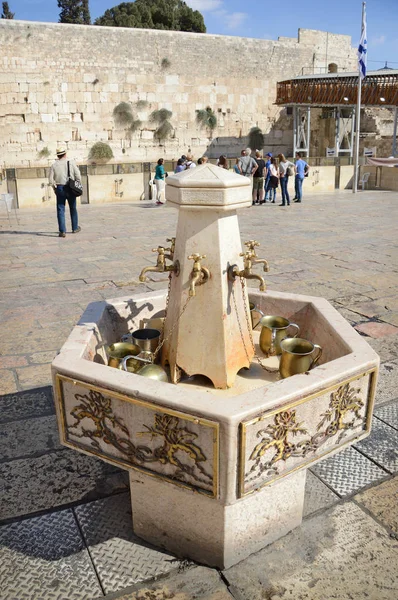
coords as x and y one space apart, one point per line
217 458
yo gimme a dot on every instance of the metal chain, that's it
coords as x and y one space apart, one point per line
249 328
239 324
163 339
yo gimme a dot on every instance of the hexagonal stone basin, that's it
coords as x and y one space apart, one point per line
244 449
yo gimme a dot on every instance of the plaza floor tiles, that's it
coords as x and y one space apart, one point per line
348 472
388 414
381 446
120 558
44 558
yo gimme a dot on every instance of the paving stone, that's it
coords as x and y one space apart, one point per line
28 404
386 348
197 583
10 362
387 385
44 558
35 376
8 382
381 501
348 471
120 558
381 446
340 554
317 495
33 437
62 477
40 358
388 414
376 330
390 317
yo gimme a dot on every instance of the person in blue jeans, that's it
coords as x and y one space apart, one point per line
58 179
267 186
286 168
302 170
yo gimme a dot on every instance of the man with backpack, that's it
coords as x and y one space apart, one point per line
247 165
302 170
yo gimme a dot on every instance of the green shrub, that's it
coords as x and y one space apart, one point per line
100 150
123 114
165 64
160 116
256 139
206 118
163 131
44 153
141 104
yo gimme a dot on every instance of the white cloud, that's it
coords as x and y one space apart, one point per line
204 5
378 41
234 20
217 8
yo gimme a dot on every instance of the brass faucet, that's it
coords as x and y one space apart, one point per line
199 275
171 249
251 245
161 266
246 272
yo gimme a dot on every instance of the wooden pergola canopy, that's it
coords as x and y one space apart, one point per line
379 88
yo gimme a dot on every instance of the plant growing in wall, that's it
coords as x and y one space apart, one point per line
164 128
141 104
44 153
165 64
100 150
124 117
256 139
206 118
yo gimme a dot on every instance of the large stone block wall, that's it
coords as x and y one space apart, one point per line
60 83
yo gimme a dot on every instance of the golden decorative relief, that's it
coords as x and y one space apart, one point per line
343 414
177 447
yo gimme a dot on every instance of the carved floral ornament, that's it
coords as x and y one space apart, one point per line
167 446
286 443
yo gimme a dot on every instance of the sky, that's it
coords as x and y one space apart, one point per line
268 20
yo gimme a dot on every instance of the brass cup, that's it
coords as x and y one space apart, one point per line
154 372
255 314
298 356
116 352
146 339
273 331
133 363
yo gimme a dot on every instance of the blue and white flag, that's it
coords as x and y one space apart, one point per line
363 46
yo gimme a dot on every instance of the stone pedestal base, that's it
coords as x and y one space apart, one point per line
192 525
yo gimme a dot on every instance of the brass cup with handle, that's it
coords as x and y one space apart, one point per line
273 331
255 314
298 356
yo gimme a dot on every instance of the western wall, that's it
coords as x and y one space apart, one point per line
60 83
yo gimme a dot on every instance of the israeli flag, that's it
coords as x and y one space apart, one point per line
363 46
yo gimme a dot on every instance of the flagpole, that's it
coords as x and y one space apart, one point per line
357 129
358 119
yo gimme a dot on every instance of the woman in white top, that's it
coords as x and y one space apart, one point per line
286 168
274 179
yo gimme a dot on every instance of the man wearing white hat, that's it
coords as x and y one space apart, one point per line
58 179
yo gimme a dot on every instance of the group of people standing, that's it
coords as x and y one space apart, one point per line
268 173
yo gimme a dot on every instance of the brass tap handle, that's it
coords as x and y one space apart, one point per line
252 244
199 275
161 255
173 244
197 258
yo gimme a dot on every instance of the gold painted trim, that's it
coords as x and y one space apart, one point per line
244 425
59 398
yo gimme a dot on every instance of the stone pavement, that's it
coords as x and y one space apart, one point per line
66 518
